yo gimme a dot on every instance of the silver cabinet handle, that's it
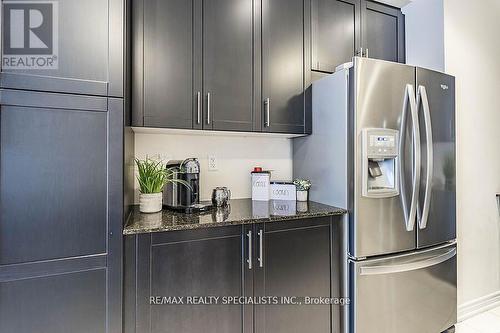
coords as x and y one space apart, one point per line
424 101
261 248
267 104
249 260
410 266
208 108
198 107
411 215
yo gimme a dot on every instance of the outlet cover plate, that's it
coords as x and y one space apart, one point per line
212 163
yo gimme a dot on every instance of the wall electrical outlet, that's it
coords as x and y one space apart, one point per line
212 163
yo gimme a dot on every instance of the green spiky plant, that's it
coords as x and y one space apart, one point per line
153 176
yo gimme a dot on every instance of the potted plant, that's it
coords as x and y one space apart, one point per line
152 177
303 186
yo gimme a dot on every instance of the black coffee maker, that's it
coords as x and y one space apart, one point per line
178 196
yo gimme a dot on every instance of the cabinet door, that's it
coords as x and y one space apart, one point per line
335 33
61 212
228 64
383 32
171 97
83 40
283 65
54 303
294 260
190 264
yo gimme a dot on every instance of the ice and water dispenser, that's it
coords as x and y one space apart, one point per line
380 162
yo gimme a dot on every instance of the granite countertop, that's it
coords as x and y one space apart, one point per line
239 211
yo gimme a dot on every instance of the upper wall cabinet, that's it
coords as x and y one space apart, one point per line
283 64
235 65
383 32
335 33
168 78
76 47
177 83
228 64
341 29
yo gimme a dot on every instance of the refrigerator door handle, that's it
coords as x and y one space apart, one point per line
423 100
410 266
410 216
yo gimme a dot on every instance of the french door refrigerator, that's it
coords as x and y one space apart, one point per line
383 147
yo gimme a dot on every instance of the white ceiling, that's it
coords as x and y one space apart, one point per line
396 3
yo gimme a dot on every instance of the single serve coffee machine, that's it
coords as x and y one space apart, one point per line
177 195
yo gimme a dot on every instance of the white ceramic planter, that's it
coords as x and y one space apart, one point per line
302 206
150 203
302 195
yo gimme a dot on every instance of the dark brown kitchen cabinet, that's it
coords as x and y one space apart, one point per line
170 62
298 253
383 32
167 52
228 80
291 259
85 47
205 262
213 65
336 33
61 212
342 29
285 27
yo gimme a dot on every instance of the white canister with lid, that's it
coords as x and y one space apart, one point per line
261 185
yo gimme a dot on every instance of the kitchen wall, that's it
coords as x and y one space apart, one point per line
471 52
426 48
236 156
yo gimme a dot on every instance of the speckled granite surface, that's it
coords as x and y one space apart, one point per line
240 211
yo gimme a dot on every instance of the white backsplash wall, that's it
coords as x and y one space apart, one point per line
236 157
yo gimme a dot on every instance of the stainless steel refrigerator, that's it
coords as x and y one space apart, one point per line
383 147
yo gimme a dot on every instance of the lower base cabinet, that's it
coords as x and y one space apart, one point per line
169 267
235 269
296 263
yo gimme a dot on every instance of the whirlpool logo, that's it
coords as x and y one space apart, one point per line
30 34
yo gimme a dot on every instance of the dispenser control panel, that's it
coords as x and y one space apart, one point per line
382 144
380 163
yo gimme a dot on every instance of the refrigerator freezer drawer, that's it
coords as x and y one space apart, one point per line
411 293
